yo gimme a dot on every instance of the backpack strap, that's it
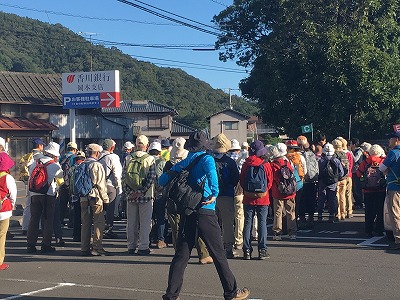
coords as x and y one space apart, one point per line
194 162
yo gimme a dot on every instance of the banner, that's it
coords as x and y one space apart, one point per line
306 128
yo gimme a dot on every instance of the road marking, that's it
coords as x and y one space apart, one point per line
38 291
58 285
369 242
329 238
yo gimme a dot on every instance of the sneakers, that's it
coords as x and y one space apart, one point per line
86 253
292 237
131 251
246 254
277 237
206 260
263 254
47 249
161 244
100 252
349 216
144 252
4 266
242 294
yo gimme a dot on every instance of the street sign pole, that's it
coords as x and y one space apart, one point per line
72 125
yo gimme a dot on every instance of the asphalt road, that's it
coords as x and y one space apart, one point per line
331 261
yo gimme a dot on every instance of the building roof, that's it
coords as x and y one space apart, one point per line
20 123
30 88
228 110
145 106
181 129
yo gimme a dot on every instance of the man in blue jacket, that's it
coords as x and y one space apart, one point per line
204 222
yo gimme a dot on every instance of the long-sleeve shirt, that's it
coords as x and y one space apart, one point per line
148 182
11 187
205 169
112 167
54 172
98 175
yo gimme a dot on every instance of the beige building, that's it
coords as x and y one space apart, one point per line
229 122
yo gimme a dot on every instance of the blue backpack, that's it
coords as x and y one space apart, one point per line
82 181
255 183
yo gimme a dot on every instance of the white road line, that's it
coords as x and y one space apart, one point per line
57 285
39 291
329 238
369 242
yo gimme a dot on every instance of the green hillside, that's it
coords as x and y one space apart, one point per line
28 45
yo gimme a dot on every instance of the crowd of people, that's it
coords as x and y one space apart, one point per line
292 182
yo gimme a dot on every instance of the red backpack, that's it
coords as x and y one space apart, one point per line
38 180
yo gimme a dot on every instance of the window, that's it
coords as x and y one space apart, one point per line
10 110
157 122
231 125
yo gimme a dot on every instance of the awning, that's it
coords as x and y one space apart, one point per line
20 123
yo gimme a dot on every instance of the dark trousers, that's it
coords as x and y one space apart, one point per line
76 233
328 195
357 191
374 211
64 198
299 202
42 206
159 216
57 225
208 229
308 200
249 212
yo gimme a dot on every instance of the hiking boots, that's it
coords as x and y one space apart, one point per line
144 252
242 294
277 237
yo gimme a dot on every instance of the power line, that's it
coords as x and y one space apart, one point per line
87 17
199 68
169 18
190 63
219 3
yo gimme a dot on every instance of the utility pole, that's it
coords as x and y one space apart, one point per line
230 96
89 34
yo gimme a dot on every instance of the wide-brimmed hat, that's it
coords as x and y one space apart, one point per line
376 150
6 163
337 144
80 155
245 145
178 152
221 143
128 145
395 134
282 149
257 148
197 141
155 146
94 147
235 145
328 149
52 148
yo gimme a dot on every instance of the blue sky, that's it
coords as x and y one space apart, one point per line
139 27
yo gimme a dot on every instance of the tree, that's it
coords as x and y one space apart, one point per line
318 61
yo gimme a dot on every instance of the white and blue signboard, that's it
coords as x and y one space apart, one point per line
91 89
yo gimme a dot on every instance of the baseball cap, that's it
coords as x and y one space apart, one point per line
128 145
94 147
108 143
37 141
155 146
142 139
72 145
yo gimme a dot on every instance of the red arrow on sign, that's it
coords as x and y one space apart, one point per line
109 99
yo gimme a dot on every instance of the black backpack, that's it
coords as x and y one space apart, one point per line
373 179
329 173
184 195
287 182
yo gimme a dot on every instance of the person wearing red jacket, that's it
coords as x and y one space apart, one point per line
374 197
8 195
255 203
281 201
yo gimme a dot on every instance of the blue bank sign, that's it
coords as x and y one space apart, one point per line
91 89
